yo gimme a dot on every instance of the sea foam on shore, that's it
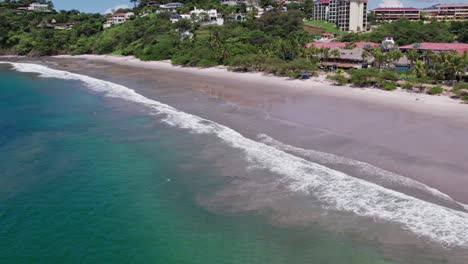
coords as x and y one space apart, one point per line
334 189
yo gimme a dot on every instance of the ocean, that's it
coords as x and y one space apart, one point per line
94 172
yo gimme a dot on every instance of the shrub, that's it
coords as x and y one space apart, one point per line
407 86
389 86
460 86
338 79
365 77
390 75
435 90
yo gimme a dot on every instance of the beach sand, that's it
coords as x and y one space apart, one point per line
418 136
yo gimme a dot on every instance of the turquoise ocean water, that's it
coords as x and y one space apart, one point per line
87 179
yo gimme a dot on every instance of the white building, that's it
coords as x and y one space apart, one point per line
200 15
36 7
176 17
169 7
117 18
348 15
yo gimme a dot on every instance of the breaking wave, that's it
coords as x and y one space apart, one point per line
334 189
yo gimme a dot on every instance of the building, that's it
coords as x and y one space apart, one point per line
350 54
388 14
234 2
202 16
348 15
321 9
437 47
170 7
34 7
327 36
117 18
447 12
341 45
177 17
37 7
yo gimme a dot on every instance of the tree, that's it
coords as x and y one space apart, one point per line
413 55
379 57
135 2
394 55
308 9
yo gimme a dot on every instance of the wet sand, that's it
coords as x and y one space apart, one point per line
424 139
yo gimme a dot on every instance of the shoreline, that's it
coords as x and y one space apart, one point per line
438 105
389 130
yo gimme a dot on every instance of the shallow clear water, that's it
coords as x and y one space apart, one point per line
84 179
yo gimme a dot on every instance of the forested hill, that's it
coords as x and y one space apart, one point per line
274 43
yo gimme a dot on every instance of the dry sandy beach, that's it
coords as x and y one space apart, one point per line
418 136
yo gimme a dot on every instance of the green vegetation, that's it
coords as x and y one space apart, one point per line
338 79
274 43
407 32
388 86
407 86
383 79
461 90
435 90
318 26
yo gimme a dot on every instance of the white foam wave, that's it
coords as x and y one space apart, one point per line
335 189
380 175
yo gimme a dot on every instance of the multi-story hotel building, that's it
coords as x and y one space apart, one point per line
447 12
387 14
321 9
348 15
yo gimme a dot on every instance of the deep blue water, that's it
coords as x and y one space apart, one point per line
84 179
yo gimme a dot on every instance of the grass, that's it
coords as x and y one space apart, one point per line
435 90
318 26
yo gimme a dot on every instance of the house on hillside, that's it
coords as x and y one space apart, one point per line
239 17
117 18
169 7
34 7
177 17
37 7
327 36
207 17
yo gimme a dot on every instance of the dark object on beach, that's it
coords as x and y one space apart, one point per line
305 75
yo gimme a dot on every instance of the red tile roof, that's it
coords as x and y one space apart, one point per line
460 47
334 45
395 9
452 5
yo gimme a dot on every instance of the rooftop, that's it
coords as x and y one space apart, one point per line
452 5
333 45
395 9
435 46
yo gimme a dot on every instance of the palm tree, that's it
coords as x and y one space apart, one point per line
420 69
413 55
379 57
394 55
